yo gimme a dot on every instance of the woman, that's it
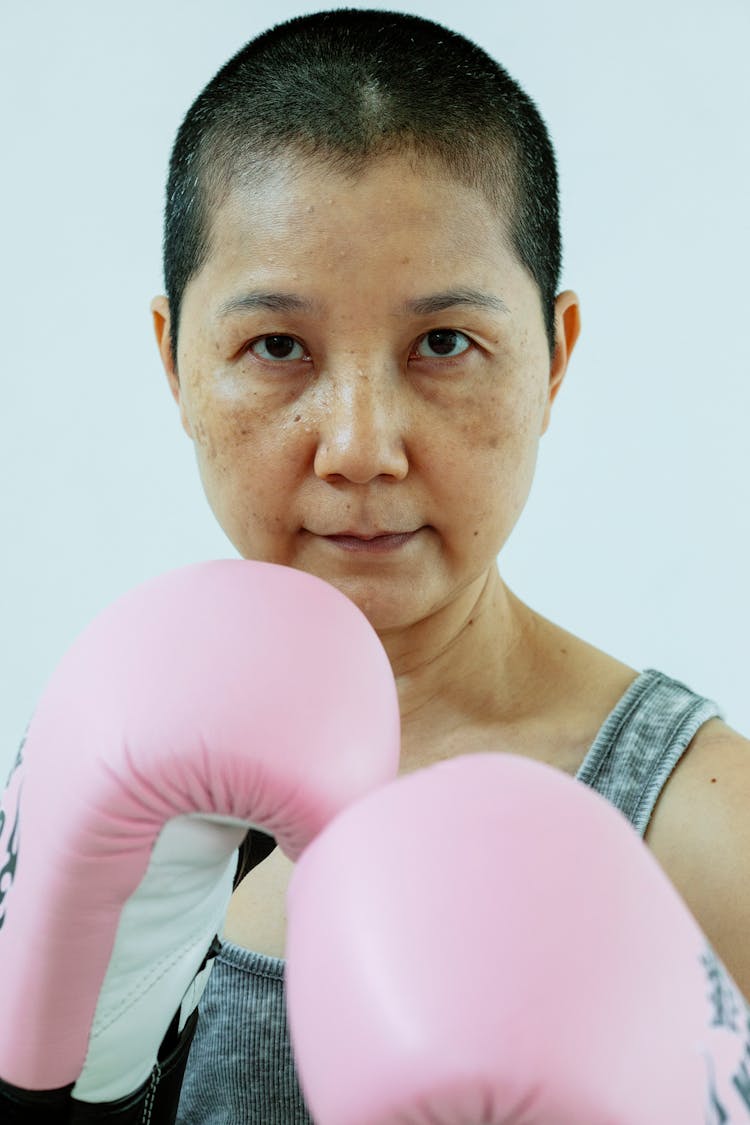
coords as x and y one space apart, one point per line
364 337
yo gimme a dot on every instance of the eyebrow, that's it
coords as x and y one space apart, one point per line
433 303
275 302
450 298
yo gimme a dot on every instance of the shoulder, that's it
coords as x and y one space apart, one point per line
700 834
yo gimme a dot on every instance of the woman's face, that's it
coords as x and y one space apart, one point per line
364 372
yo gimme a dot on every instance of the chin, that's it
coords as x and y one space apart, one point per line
383 607
388 604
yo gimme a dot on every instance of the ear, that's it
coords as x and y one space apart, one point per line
567 330
161 318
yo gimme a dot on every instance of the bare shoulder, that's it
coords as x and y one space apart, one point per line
700 834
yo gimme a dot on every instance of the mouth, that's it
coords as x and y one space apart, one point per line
379 543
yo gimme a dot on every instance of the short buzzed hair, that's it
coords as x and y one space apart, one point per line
343 87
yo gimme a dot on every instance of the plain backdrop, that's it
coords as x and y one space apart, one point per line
637 531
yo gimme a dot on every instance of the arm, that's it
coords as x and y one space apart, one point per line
700 834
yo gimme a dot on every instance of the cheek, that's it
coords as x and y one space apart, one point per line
501 428
225 429
490 464
230 440
203 439
249 453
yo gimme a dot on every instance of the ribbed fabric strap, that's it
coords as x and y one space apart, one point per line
642 741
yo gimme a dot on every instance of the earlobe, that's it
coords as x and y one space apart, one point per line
567 331
161 319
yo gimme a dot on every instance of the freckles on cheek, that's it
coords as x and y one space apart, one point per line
497 448
222 433
489 426
204 440
510 420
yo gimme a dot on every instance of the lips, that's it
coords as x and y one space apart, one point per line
367 535
370 541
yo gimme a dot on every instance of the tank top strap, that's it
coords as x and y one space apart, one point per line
641 742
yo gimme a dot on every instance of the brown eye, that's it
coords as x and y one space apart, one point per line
444 342
276 348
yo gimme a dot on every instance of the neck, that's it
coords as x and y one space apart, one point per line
464 667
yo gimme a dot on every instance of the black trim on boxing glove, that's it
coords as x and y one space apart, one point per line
155 1103
34 1107
256 847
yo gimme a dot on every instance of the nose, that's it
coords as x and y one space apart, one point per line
361 432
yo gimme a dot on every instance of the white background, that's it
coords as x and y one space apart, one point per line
636 536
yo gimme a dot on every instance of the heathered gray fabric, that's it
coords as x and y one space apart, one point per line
241 1070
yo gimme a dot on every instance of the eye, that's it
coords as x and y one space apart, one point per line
276 348
446 342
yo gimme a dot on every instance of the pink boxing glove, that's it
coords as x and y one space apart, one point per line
489 942
218 698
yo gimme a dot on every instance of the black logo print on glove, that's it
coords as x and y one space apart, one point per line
9 838
729 1010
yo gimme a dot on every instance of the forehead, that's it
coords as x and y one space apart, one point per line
289 211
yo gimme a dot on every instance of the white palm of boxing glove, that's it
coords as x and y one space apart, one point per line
216 698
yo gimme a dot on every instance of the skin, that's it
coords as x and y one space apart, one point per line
362 433
368 426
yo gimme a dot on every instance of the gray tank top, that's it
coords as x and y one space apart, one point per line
241 1071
